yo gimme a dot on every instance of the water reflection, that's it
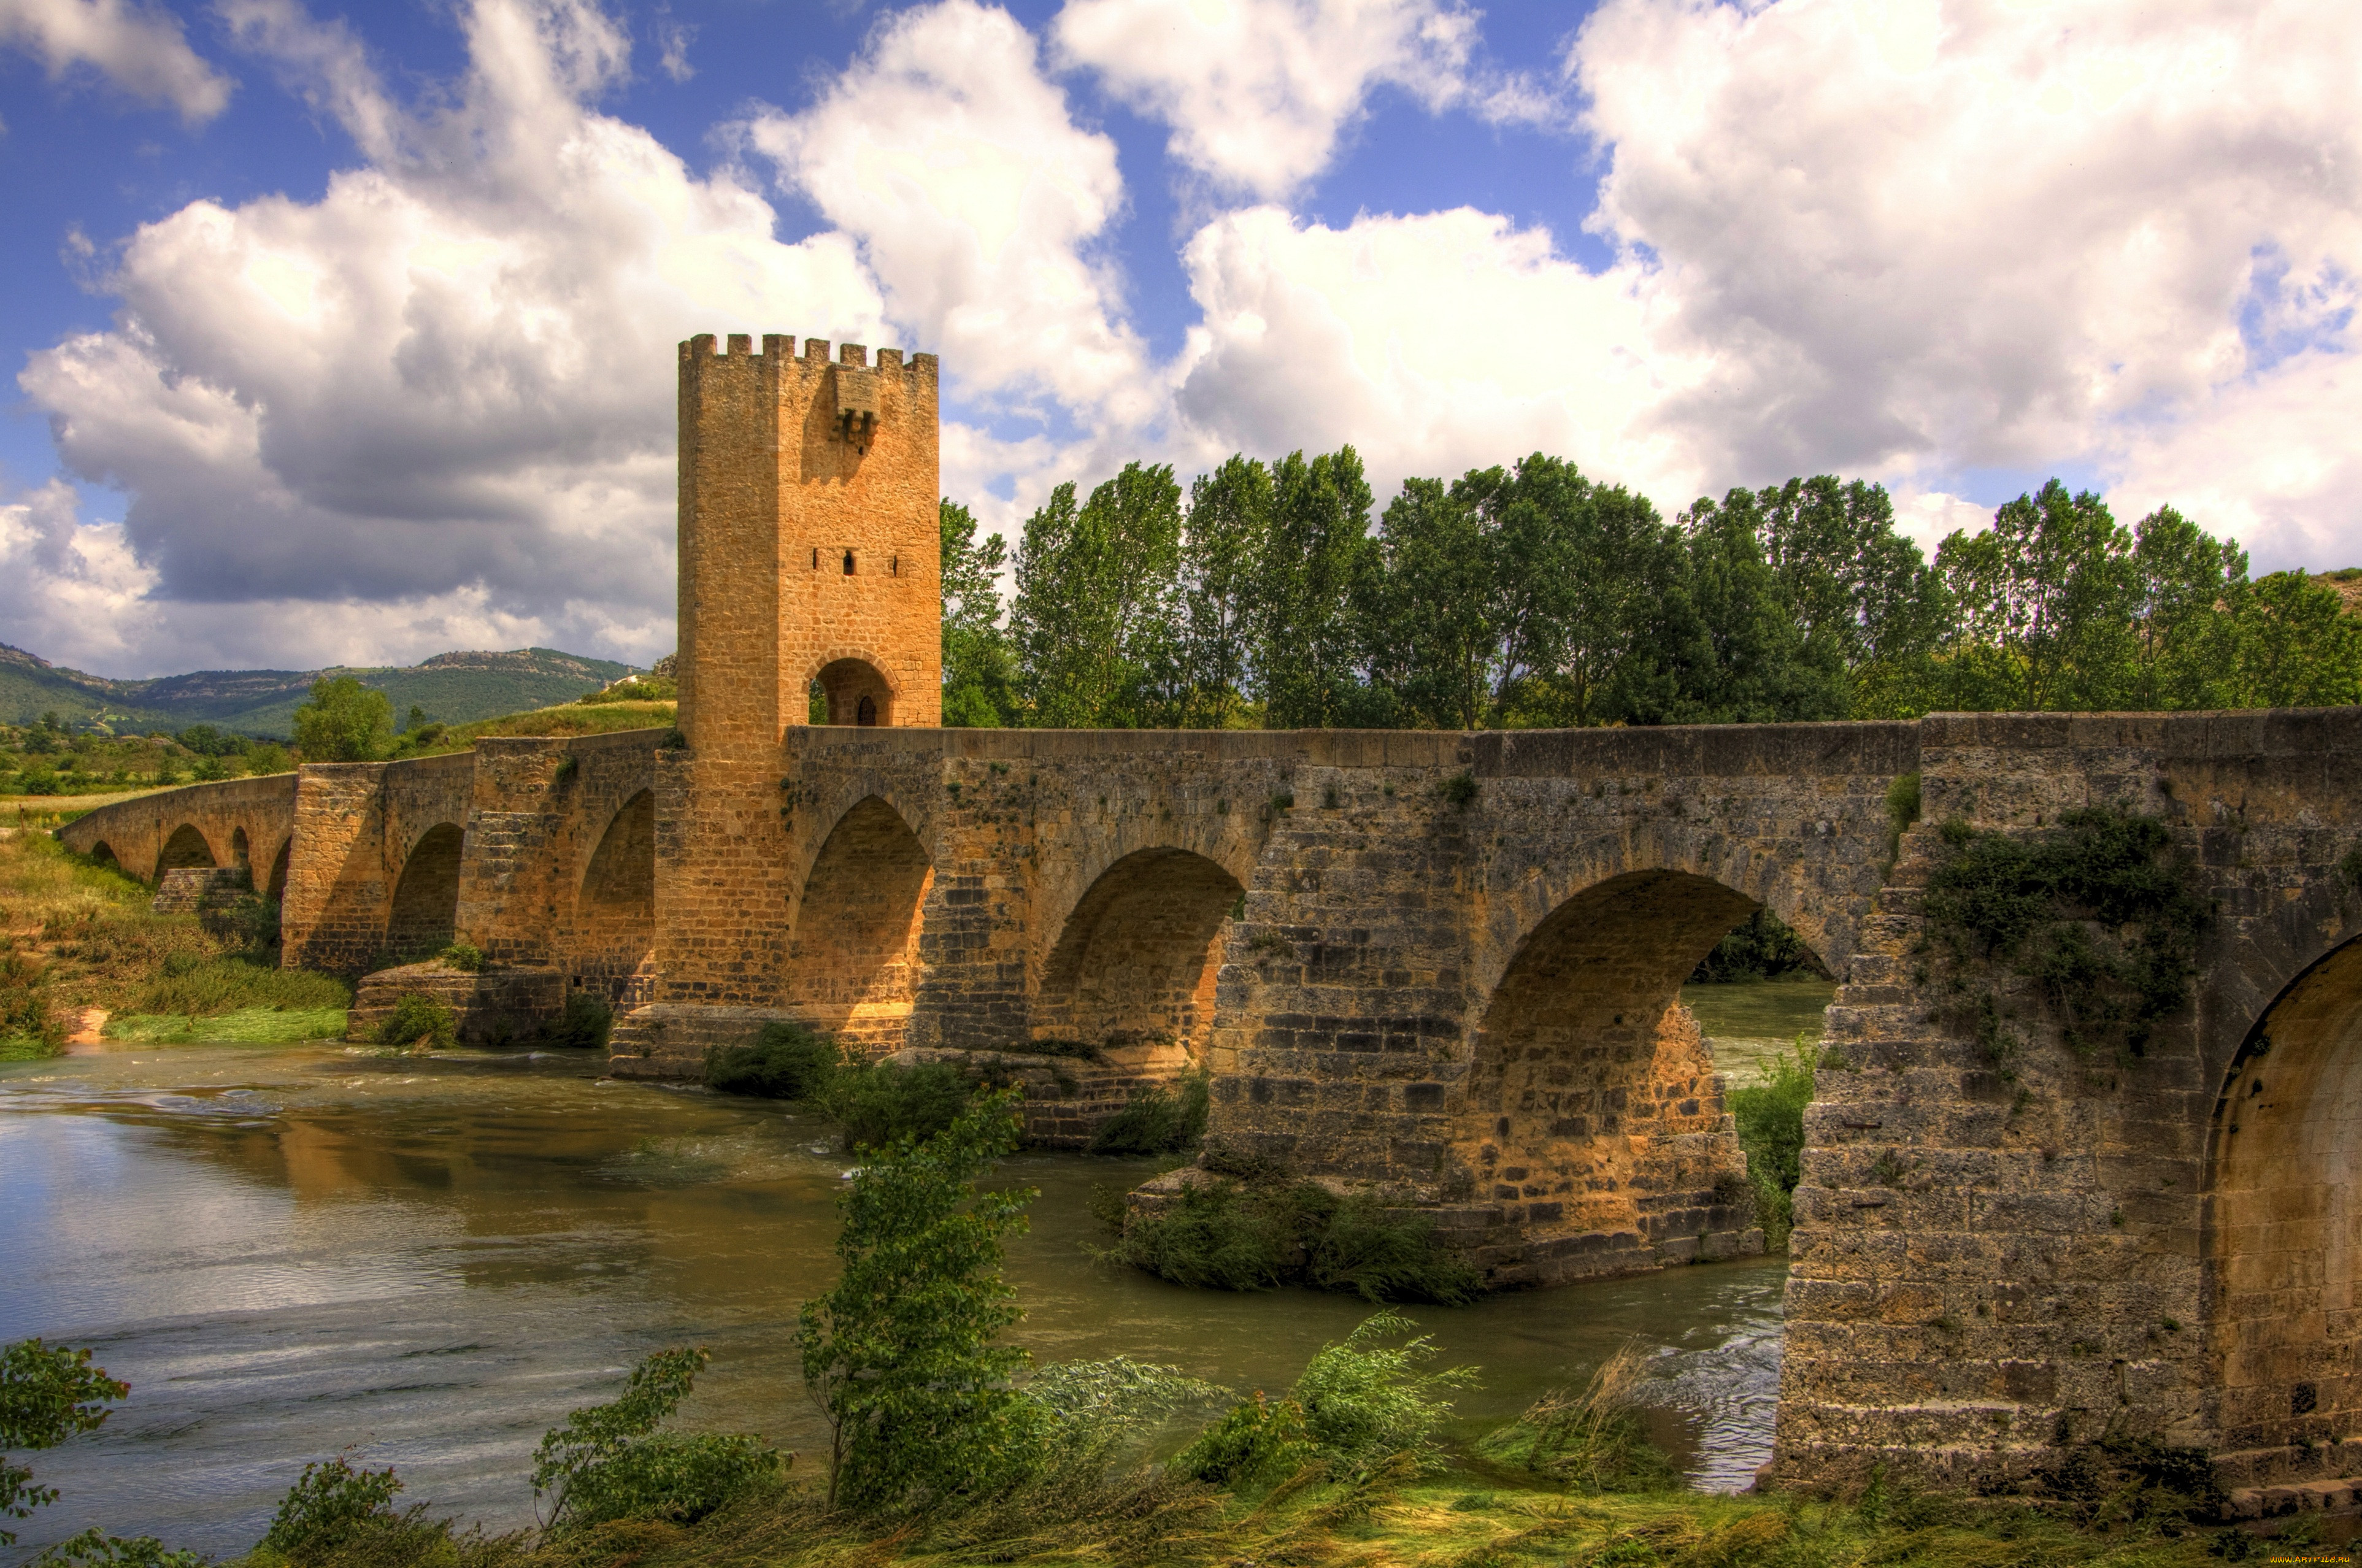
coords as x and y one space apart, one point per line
289 1251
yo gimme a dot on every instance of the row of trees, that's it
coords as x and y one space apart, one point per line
1535 596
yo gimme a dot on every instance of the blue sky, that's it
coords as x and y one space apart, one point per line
343 334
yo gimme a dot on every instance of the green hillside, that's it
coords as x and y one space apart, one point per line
453 688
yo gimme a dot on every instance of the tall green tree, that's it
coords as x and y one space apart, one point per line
1430 626
343 721
980 665
1603 581
1742 652
1094 584
2188 588
1307 644
1222 545
2296 646
2046 599
900 1355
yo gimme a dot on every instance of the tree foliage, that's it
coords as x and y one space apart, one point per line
609 1462
343 721
1534 595
900 1355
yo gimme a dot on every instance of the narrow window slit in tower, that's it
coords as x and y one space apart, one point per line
815 558
848 563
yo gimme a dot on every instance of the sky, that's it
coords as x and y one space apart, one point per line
345 335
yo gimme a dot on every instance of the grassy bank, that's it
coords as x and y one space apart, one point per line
76 935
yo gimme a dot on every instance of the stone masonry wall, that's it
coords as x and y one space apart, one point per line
1995 1258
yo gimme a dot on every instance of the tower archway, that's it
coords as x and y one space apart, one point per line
854 691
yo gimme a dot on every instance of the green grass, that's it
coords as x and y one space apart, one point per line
247 1026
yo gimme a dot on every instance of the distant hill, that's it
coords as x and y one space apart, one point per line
453 688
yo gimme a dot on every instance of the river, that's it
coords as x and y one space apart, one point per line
289 1251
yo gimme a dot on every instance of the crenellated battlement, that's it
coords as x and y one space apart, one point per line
779 348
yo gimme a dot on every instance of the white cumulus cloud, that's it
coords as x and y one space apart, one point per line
443 390
140 49
1257 92
1918 236
981 207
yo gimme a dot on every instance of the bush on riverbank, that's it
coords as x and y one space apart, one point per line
582 1024
1225 1235
876 1103
1593 1442
1770 1116
417 1022
1160 1120
786 1061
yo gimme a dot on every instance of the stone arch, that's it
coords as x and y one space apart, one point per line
621 876
2282 1243
1136 961
853 954
425 915
242 853
1827 917
858 692
186 847
103 852
1591 1116
277 888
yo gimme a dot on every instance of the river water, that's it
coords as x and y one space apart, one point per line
287 1251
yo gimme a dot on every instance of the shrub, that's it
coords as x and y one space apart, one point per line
1258 1437
1159 1120
464 956
1460 788
1594 1441
899 1353
1770 1116
331 1503
786 1061
609 1462
47 1394
880 1103
27 1022
1762 948
1257 1236
1364 1403
2101 912
416 1020
582 1024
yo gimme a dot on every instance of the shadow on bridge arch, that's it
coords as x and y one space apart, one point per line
2283 1227
186 849
276 889
1592 1106
853 955
1136 962
616 912
425 915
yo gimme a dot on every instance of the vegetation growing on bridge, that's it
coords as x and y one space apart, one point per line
1276 595
1770 1110
2101 912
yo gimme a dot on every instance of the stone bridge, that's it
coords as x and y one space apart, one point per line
1442 968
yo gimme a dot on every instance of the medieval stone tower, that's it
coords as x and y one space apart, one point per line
809 540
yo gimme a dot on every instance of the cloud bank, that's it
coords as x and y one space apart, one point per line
433 407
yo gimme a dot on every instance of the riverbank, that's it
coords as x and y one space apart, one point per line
1461 1520
79 938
